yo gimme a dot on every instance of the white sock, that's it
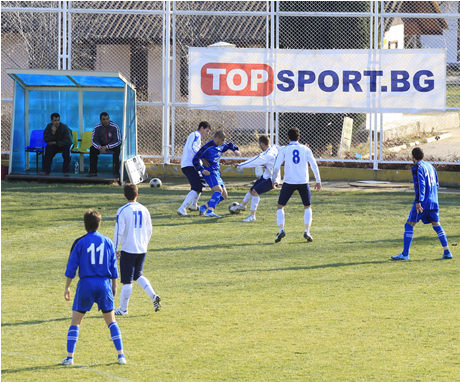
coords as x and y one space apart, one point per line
125 294
188 199
280 217
307 217
247 197
195 200
255 202
145 284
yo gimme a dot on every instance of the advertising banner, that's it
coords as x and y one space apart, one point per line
326 81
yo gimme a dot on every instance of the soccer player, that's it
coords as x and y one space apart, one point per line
192 145
94 256
425 207
264 183
296 158
211 152
133 230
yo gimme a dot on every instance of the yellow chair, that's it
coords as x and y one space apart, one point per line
85 143
75 141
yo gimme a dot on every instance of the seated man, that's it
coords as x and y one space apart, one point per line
106 140
59 139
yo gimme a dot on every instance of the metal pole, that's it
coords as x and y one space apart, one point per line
64 35
69 37
123 147
166 81
59 36
375 51
173 80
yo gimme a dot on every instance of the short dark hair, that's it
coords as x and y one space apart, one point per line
92 220
103 114
130 191
293 134
219 134
264 139
55 115
204 125
418 153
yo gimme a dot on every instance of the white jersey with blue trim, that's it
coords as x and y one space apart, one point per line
265 159
133 228
191 147
296 158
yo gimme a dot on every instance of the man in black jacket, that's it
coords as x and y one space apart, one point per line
59 139
106 139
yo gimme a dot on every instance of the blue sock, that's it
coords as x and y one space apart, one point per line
121 356
408 234
446 252
115 332
441 235
220 199
72 338
215 198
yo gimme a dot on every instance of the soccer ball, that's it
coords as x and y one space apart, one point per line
232 208
155 183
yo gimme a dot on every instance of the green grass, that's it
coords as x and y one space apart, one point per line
235 305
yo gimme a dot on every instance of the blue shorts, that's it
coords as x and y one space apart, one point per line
288 189
194 178
131 266
214 179
92 290
427 216
262 185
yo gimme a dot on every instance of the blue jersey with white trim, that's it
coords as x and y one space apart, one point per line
94 255
425 185
212 153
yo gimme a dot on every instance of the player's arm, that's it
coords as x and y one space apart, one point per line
420 193
258 160
119 231
314 166
277 165
67 289
196 159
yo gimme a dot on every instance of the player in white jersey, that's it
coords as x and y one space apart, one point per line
191 147
133 230
296 158
264 183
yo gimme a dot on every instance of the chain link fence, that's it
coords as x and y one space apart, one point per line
131 37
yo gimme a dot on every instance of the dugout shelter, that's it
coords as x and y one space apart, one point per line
79 97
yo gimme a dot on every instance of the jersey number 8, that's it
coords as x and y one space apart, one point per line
296 156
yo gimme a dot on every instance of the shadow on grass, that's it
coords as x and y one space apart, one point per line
38 322
56 367
335 265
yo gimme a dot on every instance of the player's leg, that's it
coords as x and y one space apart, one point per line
127 268
413 218
441 235
72 336
305 195
248 197
66 157
285 194
115 333
144 283
195 189
116 159
216 198
258 189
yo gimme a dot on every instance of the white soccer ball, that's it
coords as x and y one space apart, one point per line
155 183
232 208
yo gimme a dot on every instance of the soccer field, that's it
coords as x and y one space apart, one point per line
235 305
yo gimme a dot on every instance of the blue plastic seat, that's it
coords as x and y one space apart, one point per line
37 144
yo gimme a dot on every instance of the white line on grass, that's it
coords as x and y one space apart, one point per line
79 223
86 368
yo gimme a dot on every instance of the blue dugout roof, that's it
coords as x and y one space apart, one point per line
71 78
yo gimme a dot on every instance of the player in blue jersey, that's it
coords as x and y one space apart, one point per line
211 152
425 207
94 256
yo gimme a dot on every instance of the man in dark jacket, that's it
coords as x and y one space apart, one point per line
106 139
58 137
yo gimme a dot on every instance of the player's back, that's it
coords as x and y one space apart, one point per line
191 147
426 185
296 158
94 255
133 228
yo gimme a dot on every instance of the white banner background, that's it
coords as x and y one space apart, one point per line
313 98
